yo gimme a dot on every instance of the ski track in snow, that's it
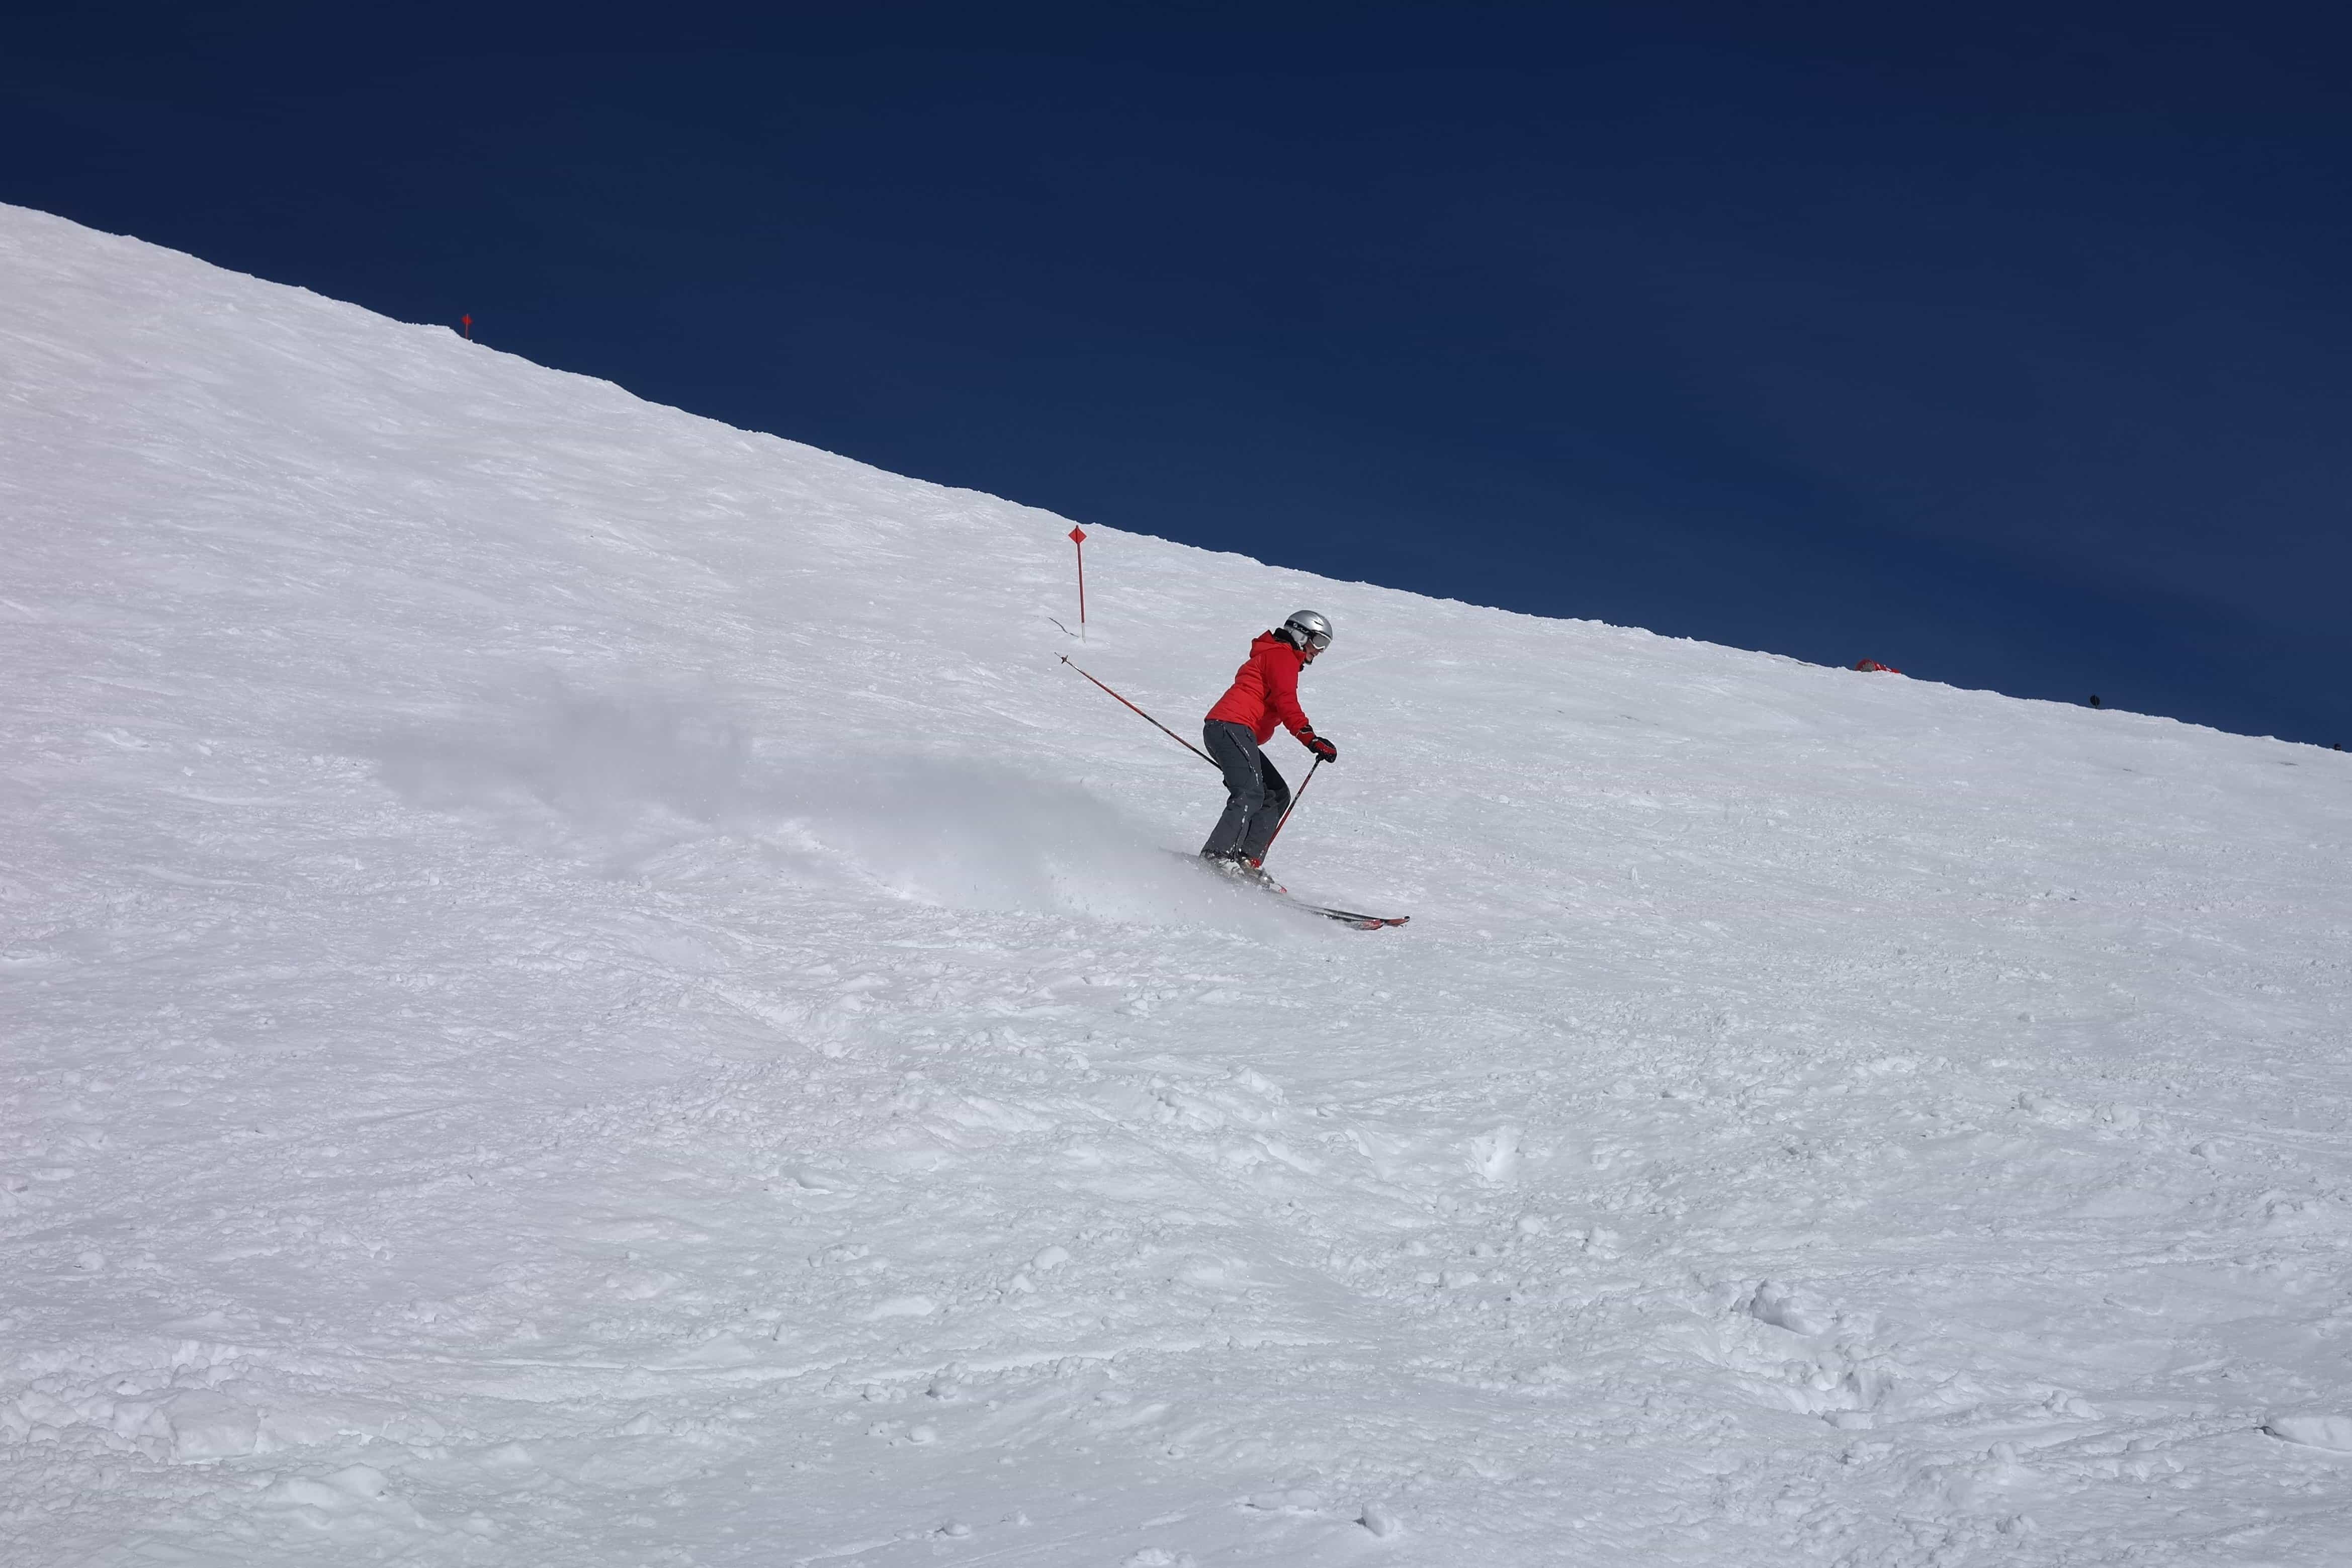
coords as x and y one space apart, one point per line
580 988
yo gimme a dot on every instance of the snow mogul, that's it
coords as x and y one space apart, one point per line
1265 693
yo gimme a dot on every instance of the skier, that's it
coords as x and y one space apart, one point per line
1264 692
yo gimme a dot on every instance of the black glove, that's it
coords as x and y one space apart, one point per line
1319 746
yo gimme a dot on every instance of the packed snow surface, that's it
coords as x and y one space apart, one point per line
581 988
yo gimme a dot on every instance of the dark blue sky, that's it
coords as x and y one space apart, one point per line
2011 346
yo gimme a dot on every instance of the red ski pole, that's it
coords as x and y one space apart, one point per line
1158 726
1291 807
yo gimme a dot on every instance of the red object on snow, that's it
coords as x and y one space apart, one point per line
1078 538
1873 664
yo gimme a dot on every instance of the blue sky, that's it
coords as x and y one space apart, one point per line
2009 346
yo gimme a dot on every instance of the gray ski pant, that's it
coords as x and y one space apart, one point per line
1256 795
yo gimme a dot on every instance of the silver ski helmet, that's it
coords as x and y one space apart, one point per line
1309 627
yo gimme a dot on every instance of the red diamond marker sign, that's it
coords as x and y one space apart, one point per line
1078 538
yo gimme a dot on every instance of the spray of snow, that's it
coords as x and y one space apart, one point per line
652 786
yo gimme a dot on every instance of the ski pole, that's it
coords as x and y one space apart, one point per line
1158 726
1291 807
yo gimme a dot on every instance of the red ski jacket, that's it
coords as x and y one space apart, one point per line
1265 691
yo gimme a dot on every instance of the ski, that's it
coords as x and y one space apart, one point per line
1360 921
1350 918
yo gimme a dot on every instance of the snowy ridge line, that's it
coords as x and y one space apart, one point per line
547 1030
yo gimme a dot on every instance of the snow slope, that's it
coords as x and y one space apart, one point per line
581 987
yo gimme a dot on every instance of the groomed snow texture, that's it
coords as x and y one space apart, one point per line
581 987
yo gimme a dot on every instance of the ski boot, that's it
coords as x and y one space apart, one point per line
1244 871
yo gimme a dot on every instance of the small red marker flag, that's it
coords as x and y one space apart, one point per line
468 320
1078 538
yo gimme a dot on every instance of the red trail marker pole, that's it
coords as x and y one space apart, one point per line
468 319
1078 538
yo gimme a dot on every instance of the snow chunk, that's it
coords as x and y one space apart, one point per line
2330 1432
1776 1304
1496 1156
209 1425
